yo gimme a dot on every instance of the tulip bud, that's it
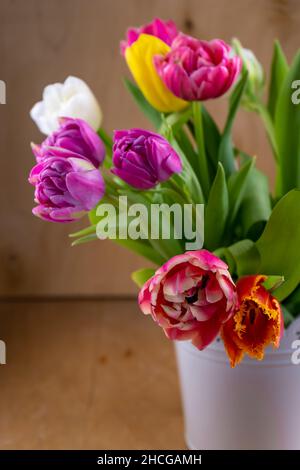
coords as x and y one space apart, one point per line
143 159
255 71
76 136
65 188
73 98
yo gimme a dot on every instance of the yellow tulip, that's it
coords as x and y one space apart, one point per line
139 57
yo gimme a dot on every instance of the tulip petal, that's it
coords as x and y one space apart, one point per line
140 60
206 333
234 352
88 188
257 323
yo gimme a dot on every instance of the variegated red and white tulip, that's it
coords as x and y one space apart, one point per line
191 296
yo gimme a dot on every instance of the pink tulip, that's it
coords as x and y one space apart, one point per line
75 136
66 187
191 296
164 30
197 70
143 159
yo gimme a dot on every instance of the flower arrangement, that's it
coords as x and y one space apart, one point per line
243 284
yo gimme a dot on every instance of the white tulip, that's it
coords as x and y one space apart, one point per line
73 98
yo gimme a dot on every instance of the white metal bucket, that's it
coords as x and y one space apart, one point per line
254 406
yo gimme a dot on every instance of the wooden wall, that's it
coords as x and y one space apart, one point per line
43 41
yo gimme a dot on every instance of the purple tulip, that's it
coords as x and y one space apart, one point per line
143 159
164 30
197 70
76 136
65 188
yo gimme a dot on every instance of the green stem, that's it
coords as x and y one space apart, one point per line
110 185
199 135
108 147
105 137
269 126
186 199
178 189
183 137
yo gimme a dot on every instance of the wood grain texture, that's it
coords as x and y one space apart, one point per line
87 375
43 42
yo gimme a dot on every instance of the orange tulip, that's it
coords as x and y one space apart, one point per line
257 323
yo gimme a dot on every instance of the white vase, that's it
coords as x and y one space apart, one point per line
254 406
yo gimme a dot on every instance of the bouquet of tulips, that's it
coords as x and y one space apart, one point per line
243 281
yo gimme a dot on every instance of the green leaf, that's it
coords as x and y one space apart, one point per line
157 251
224 254
85 231
142 275
279 244
139 247
202 163
292 302
84 239
108 143
176 120
246 257
172 195
226 151
287 316
268 123
212 139
255 208
287 125
165 247
143 249
107 140
273 282
93 218
151 113
188 177
216 211
187 148
181 136
279 70
237 184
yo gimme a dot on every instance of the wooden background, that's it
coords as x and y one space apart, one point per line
43 41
